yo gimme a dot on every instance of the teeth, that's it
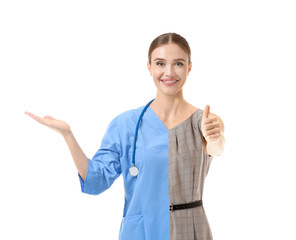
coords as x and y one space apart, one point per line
170 81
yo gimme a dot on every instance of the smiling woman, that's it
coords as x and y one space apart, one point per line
164 142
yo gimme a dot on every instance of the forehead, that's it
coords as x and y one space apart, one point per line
168 51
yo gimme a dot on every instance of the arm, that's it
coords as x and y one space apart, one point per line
64 129
80 159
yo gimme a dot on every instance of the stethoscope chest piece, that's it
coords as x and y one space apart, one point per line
133 171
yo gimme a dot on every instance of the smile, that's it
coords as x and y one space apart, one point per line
169 82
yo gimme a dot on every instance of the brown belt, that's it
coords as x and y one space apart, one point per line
185 205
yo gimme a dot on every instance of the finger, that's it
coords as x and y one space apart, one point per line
32 115
211 127
215 136
37 118
206 111
212 132
210 120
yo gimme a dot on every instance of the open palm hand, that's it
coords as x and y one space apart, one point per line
58 125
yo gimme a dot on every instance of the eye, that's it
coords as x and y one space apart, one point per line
180 63
159 63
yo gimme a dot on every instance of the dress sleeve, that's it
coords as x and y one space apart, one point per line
104 168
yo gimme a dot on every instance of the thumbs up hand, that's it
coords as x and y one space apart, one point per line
210 126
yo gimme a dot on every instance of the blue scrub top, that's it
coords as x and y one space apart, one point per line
146 195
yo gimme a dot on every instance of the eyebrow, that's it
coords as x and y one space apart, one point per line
178 59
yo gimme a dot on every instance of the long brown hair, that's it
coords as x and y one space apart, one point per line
167 38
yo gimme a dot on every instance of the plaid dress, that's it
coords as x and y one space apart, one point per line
188 167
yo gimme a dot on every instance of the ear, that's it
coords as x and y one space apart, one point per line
189 68
149 68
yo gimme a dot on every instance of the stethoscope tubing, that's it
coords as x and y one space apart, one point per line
136 131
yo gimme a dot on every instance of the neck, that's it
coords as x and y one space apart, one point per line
169 106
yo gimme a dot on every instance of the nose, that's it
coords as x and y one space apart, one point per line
170 71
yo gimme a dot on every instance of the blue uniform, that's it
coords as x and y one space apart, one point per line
146 214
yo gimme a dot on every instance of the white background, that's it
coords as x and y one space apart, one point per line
85 62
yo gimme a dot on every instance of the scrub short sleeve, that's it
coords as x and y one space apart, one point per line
104 168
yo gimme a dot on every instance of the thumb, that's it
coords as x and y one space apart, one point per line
49 117
206 111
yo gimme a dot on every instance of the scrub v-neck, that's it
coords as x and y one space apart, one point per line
163 126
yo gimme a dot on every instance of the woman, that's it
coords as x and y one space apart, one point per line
174 146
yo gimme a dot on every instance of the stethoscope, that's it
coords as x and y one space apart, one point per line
133 169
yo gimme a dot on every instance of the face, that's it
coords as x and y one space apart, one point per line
169 68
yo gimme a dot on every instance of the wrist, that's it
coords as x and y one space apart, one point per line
67 134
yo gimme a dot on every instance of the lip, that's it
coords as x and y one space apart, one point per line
169 84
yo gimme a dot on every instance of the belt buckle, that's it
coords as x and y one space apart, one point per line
171 207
